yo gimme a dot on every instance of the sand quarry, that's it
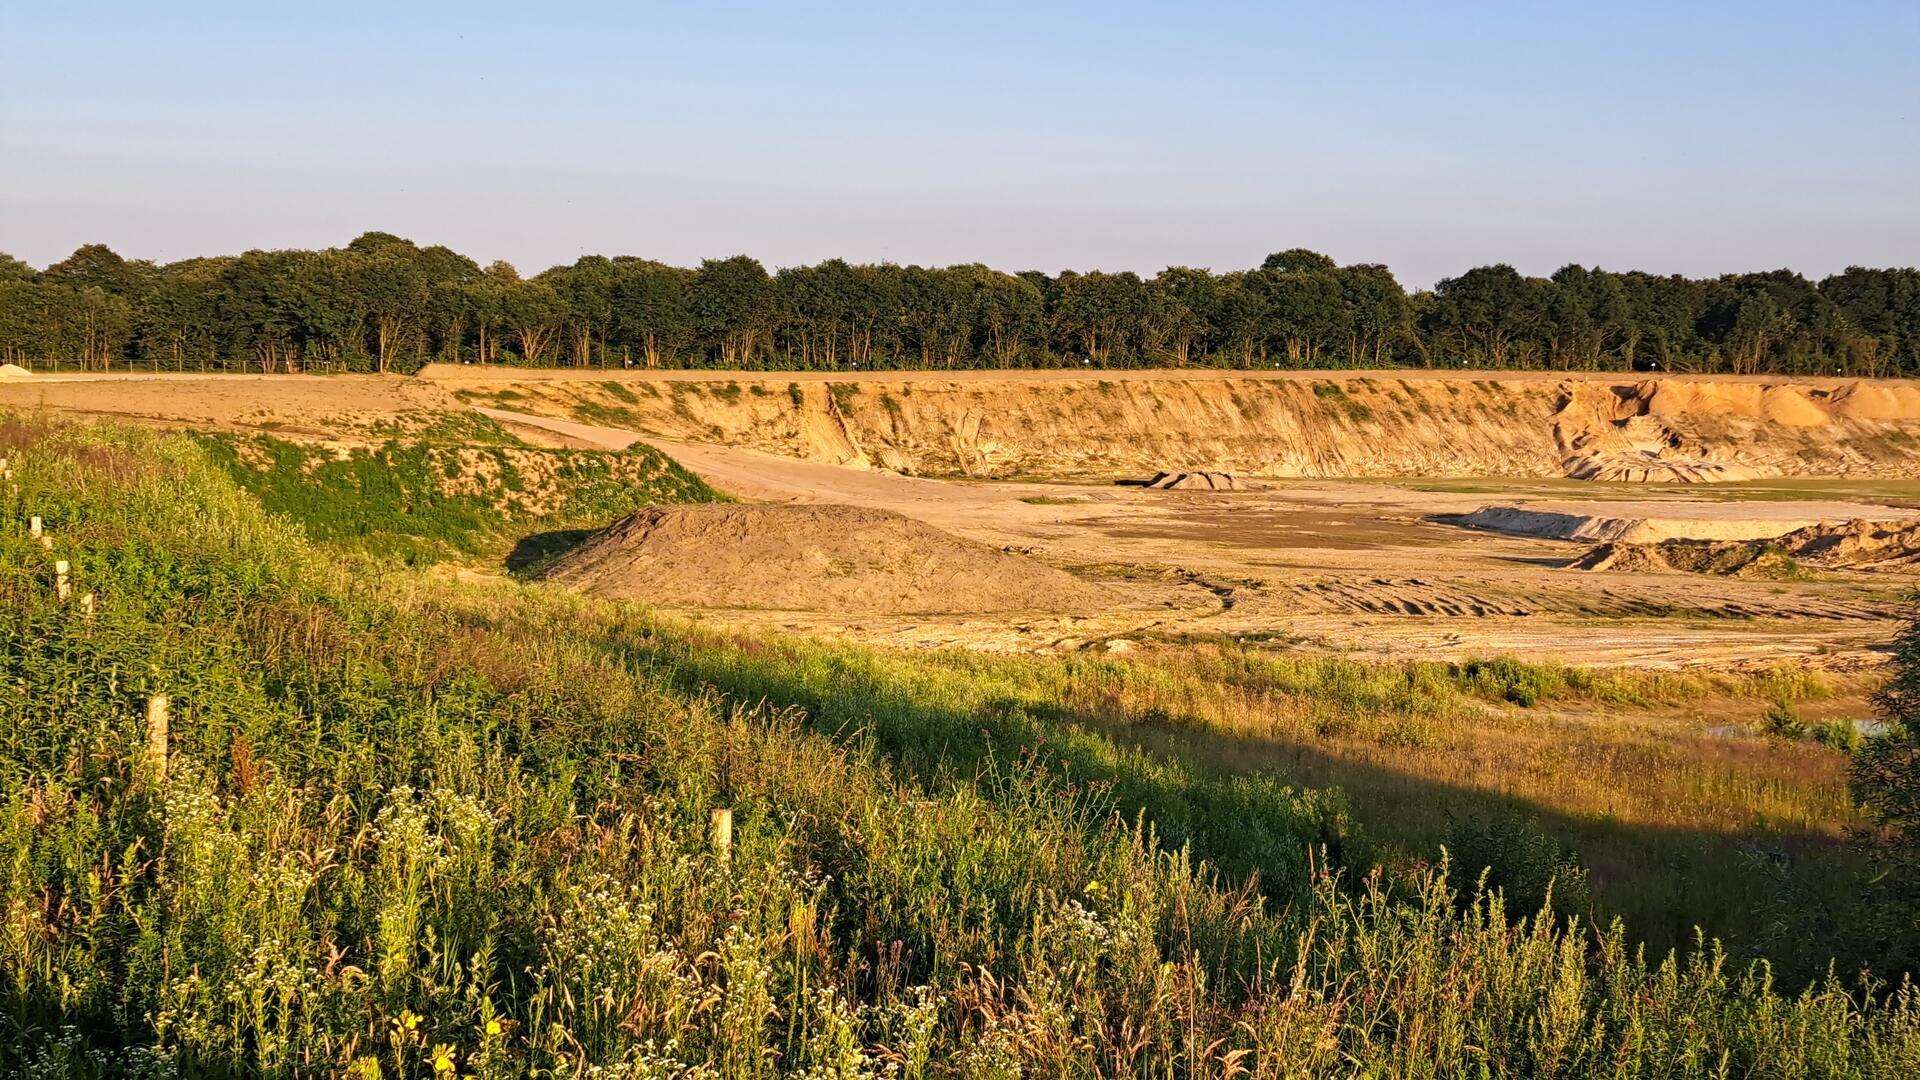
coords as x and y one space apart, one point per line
1388 514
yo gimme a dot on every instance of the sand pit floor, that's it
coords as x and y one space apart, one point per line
1356 566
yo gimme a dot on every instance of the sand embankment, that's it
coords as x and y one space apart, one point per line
1288 424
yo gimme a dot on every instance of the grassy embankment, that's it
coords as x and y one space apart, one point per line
402 820
427 497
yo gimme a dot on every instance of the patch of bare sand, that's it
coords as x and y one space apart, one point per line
344 408
813 558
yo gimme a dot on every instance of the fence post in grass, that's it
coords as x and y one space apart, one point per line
159 708
721 820
35 527
86 604
62 586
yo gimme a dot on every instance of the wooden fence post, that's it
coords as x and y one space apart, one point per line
159 708
722 821
62 588
36 527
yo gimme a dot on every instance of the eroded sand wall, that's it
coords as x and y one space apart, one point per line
1377 424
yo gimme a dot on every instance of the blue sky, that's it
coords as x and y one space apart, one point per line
1681 138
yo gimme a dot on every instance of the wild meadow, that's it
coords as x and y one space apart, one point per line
402 825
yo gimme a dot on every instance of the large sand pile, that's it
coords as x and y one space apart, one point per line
1889 546
14 371
812 558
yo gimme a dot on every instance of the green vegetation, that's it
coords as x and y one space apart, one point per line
1886 780
383 303
402 826
417 502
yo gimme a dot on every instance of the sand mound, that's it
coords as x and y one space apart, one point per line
1724 558
1194 481
1862 545
812 558
1865 401
1888 546
14 371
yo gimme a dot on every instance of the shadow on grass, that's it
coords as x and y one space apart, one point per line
532 553
1262 807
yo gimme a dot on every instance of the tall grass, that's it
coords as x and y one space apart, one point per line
413 827
1676 824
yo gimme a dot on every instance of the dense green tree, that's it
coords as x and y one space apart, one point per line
97 266
534 315
1491 315
1298 261
653 310
1885 780
384 303
733 307
12 269
586 291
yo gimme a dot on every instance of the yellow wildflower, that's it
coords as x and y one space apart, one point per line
442 1058
493 1027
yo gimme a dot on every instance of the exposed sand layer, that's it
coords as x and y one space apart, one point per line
813 558
14 371
1852 545
1282 424
1114 425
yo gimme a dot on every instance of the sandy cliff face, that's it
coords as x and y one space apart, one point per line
1380 424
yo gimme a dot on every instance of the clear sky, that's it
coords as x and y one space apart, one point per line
1675 137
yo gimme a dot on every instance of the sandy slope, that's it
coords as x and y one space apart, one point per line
1282 424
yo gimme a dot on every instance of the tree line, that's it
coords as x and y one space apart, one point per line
386 304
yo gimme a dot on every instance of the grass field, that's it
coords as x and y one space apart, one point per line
403 825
